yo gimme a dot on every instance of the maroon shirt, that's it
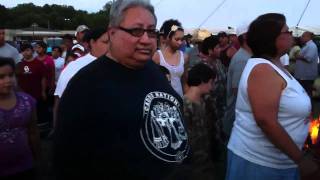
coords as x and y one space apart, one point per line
50 71
29 76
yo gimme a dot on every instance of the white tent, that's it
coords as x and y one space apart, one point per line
217 15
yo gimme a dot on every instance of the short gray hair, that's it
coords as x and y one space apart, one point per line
120 6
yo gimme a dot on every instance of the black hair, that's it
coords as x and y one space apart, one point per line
67 36
71 54
222 34
43 45
7 61
297 41
263 32
57 47
241 39
200 73
25 46
167 25
164 70
93 34
209 43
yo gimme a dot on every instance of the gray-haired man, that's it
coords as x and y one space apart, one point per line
119 118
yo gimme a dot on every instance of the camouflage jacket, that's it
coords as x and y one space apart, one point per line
216 100
198 126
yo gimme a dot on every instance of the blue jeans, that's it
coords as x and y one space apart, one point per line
239 168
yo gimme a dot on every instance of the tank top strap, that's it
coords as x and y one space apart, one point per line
162 60
181 63
276 68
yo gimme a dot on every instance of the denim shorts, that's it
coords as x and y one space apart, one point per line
239 168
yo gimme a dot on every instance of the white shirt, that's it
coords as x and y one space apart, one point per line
59 64
285 60
70 70
307 70
175 72
249 141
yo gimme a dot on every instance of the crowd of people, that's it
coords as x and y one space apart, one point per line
130 101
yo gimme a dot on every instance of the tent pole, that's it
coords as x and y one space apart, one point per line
303 13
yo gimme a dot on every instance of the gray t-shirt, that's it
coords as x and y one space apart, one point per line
237 64
9 51
307 70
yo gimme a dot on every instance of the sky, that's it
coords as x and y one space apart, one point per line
193 13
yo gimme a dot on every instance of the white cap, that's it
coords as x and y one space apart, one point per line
78 46
242 29
81 28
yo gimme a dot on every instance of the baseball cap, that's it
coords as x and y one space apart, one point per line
81 28
78 46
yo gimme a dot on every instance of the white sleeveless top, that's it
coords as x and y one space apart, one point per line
175 72
247 139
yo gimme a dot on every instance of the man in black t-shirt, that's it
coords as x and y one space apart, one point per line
119 117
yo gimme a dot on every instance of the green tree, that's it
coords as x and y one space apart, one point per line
52 16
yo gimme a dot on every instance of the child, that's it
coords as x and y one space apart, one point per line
200 79
19 137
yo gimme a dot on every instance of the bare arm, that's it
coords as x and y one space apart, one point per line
263 98
156 58
184 77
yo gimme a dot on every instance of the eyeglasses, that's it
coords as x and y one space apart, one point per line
287 32
138 32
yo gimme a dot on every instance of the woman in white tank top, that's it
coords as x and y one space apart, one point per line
170 56
272 110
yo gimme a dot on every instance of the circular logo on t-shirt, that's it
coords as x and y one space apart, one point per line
26 69
163 132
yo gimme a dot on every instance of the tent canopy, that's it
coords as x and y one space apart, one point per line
217 15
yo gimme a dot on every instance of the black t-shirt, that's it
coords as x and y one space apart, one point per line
115 122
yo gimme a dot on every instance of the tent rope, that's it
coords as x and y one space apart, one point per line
303 13
212 13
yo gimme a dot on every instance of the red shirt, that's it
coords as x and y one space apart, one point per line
29 76
50 71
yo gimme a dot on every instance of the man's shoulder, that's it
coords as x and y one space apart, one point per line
240 57
8 47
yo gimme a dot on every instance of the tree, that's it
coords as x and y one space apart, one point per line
52 16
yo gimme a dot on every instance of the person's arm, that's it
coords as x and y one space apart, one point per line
156 58
184 77
33 135
17 57
52 76
55 110
265 104
43 87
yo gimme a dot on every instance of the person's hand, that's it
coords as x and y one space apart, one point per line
308 166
